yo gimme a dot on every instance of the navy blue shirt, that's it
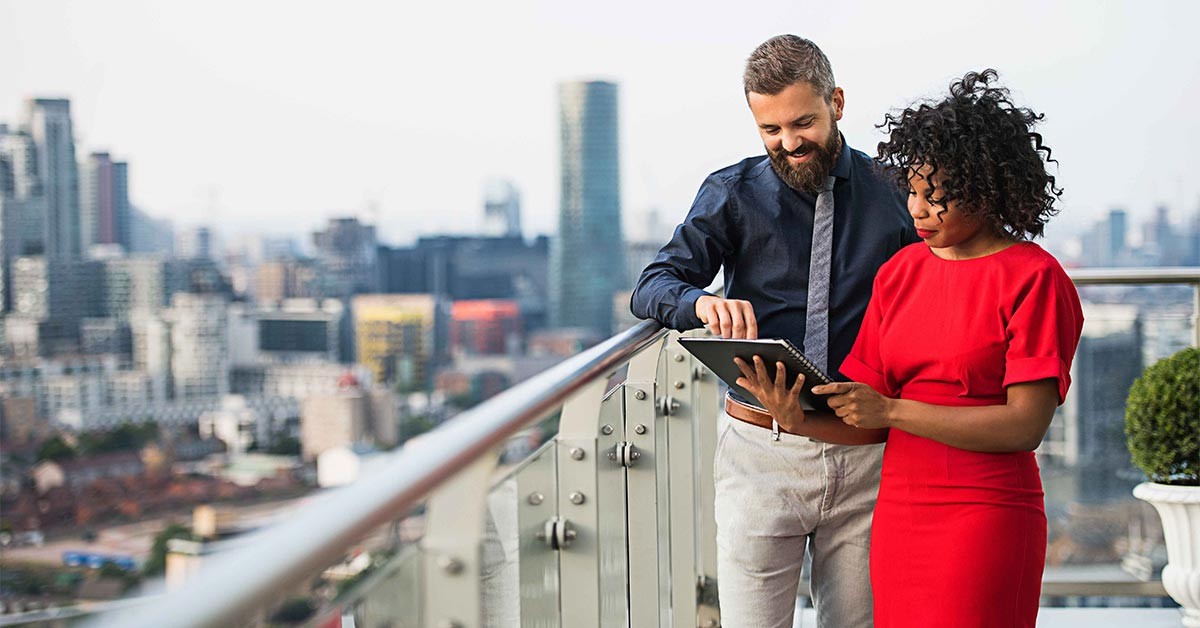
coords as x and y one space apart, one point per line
747 220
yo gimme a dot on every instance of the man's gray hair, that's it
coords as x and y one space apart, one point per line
786 59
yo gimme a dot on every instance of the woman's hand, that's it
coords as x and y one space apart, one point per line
857 404
782 402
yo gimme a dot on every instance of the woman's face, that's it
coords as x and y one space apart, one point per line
943 226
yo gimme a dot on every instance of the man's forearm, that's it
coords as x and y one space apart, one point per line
667 299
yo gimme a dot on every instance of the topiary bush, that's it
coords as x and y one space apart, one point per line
1162 420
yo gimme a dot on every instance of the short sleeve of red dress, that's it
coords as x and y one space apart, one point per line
1043 330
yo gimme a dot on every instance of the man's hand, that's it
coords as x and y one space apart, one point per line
857 404
727 318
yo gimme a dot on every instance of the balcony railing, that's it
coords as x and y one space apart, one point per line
607 523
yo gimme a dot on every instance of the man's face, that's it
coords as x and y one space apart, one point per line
799 131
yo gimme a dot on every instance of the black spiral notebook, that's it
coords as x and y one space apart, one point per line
718 354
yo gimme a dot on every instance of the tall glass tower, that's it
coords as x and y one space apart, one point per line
48 122
588 260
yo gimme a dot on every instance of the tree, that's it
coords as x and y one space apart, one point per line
415 426
125 437
55 449
285 446
156 563
128 578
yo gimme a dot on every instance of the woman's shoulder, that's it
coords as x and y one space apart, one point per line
901 267
906 257
1031 258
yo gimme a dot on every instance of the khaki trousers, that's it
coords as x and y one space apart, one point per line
774 498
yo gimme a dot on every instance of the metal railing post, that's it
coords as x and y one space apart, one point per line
452 548
680 419
646 554
537 503
705 411
577 529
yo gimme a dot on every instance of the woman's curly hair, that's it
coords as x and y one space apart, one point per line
986 150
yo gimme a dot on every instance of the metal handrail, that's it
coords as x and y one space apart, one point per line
280 557
1128 276
1188 275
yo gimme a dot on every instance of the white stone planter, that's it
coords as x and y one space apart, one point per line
1179 509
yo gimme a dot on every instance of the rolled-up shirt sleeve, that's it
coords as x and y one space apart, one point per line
670 285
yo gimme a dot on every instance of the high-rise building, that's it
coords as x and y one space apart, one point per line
294 330
351 416
486 327
199 345
588 264
287 278
133 284
58 295
151 332
1105 244
48 122
22 210
194 243
460 268
501 209
347 252
104 211
395 337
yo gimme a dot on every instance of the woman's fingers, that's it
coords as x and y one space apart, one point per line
760 368
744 368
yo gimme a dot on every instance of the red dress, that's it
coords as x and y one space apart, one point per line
959 537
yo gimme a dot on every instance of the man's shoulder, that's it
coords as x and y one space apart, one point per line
865 166
747 169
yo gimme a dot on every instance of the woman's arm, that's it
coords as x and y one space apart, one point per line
784 405
1018 425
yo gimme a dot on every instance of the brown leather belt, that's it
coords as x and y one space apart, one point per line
749 414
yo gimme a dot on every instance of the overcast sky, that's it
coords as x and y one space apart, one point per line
282 114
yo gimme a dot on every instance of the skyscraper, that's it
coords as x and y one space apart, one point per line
104 214
22 213
588 259
48 122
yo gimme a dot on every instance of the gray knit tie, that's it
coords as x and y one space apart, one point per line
816 330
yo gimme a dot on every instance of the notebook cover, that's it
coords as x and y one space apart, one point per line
718 353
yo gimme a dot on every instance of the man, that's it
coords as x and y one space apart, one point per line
800 233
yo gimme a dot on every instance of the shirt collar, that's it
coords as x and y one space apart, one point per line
841 168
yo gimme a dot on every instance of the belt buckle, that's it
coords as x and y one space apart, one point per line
774 430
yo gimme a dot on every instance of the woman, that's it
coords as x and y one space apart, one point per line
964 352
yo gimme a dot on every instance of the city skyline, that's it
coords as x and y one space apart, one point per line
326 131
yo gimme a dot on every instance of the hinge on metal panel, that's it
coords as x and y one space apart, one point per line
624 454
558 533
667 405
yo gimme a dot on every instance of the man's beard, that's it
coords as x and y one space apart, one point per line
809 176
